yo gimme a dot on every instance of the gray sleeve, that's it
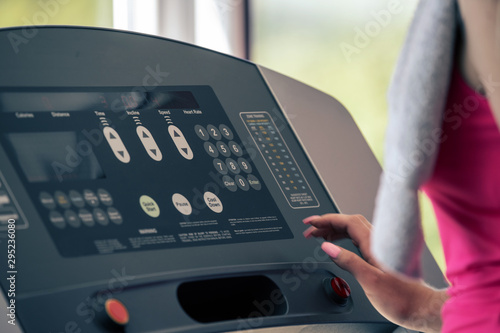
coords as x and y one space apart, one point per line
417 97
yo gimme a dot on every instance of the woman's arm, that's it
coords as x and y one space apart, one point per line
480 52
407 302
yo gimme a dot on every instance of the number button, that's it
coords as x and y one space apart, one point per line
226 131
235 148
211 149
220 166
242 183
244 165
214 132
201 132
232 165
223 149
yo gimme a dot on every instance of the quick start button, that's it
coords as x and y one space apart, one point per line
149 206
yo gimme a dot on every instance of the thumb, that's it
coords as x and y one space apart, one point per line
351 262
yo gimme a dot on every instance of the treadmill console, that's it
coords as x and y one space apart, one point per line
110 170
154 186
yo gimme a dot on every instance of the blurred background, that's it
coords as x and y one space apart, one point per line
347 49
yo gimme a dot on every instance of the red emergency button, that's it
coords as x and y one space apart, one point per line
116 311
337 290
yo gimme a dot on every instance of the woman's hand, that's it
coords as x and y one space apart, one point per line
406 302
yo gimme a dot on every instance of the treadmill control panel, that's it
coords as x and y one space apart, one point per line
112 169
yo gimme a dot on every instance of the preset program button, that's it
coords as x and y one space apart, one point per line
57 219
105 197
62 199
100 216
72 219
45 198
86 217
213 202
182 204
76 198
114 215
90 198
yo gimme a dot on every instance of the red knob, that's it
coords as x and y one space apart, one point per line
337 290
340 287
116 311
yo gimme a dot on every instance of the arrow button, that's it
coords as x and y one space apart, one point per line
180 142
149 143
116 144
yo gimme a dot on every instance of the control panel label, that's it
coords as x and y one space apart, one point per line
279 159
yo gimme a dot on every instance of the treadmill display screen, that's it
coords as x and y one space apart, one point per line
66 100
44 156
113 169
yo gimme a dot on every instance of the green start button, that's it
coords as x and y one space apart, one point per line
149 206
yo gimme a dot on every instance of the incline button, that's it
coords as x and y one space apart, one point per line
149 143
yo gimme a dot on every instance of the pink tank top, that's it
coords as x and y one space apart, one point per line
465 193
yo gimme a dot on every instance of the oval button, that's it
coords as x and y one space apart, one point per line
116 144
149 206
182 204
180 142
213 202
149 143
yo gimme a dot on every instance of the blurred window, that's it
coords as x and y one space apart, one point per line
219 25
347 49
56 12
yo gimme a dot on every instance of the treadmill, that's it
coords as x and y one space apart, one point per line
149 185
